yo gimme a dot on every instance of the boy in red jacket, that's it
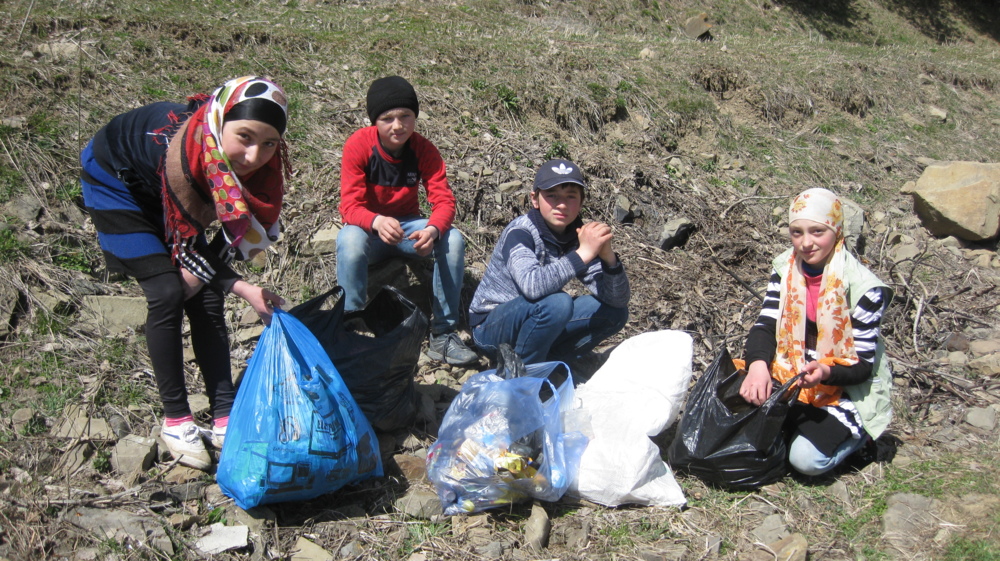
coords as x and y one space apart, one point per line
381 172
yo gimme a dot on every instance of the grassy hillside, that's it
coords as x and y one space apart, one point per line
845 94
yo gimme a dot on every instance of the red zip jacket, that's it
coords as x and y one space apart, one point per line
372 182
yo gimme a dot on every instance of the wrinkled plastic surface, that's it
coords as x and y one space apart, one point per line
635 395
727 442
295 432
502 441
377 368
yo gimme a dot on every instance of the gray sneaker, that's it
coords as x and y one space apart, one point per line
449 348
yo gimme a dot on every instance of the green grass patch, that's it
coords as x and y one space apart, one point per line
11 248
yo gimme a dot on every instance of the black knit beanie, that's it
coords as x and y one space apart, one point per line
389 93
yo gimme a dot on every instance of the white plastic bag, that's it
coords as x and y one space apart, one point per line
635 395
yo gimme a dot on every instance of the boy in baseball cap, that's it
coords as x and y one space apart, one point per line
521 301
381 172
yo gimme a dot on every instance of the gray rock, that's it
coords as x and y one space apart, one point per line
492 550
854 222
960 199
623 210
675 233
254 518
667 552
115 314
223 538
214 496
77 424
509 186
133 454
414 469
905 251
120 525
306 550
27 208
73 459
697 27
986 365
793 548
351 550
984 347
323 242
937 113
909 517
536 529
838 490
22 418
198 403
957 342
712 544
982 417
957 359
419 503
771 530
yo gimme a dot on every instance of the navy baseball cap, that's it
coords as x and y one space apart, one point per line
556 172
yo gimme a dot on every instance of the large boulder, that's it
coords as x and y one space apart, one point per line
960 199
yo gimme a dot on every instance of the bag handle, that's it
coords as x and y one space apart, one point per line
786 388
316 301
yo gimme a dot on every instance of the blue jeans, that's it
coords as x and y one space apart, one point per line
807 460
556 327
356 249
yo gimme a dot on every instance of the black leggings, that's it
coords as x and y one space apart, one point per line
209 338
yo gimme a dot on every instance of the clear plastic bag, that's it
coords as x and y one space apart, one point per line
294 432
502 440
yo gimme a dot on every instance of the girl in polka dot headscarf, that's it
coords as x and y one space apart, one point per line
154 180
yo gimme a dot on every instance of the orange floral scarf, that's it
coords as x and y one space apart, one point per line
835 340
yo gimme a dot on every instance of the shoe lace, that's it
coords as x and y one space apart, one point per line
191 434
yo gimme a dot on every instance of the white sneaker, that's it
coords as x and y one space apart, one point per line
215 435
185 445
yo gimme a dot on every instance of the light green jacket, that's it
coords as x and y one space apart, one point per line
871 397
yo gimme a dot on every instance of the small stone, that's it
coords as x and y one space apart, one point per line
414 469
772 529
419 503
983 347
957 342
536 529
22 418
957 359
509 186
306 550
223 538
697 27
982 417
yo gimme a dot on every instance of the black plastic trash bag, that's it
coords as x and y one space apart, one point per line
725 441
375 350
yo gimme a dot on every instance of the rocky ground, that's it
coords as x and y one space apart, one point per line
693 168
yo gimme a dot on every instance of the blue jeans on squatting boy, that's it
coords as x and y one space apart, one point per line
356 249
808 460
556 327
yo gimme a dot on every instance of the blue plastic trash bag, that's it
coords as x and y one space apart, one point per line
294 432
501 441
